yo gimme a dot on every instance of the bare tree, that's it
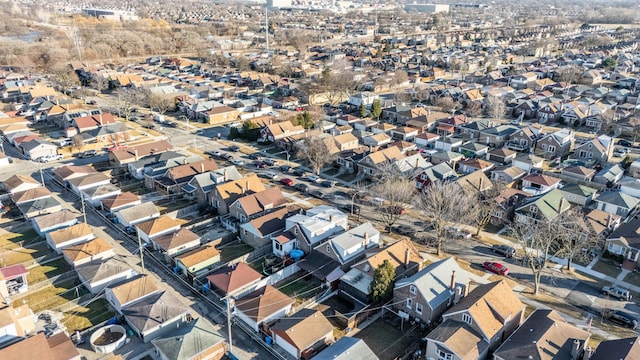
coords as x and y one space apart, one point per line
77 142
315 151
495 107
486 204
570 74
100 83
575 236
400 77
444 203
125 102
397 191
536 240
63 77
447 104
161 104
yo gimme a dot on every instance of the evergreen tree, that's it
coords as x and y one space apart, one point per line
363 110
376 109
382 283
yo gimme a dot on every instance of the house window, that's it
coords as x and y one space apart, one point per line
278 246
295 231
241 218
551 149
467 318
442 355
533 210
583 154
410 303
590 155
244 232
413 290
328 248
419 308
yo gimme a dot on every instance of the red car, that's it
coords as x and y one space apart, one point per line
496 268
286 181
261 165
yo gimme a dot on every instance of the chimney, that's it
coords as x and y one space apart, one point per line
407 256
135 153
453 280
480 185
331 218
575 349
202 167
100 119
366 239
184 161
609 220
587 353
224 174
247 188
561 205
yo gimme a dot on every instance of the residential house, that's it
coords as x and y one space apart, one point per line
557 144
478 324
280 130
122 157
72 235
440 172
176 243
97 275
497 136
578 174
347 348
507 174
428 293
610 175
155 227
56 347
313 228
506 205
426 140
121 294
195 339
79 184
376 140
625 241
404 133
201 185
15 323
525 139
620 349
449 143
225 194
542 208
197 262
578 194
617 203
402 255
123 200
96 249
528 162
474 150
220 115
37 148
523 80
136 214
473 165
262 306
366 98
593 152
67 172
20 183
46 223
155 314
256 204
258 232
234 280
304 333
172 181
371 164
13 281
350 246
346 142
94 195
544 332
35 208
474 182
602 222
539 183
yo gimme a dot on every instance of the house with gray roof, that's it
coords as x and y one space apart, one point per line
38 207
347 348
201 185
137 214
579 194
620 349
428 293
617 203
350 246
97 275
609 175
195 339
155 314
435 173
46 223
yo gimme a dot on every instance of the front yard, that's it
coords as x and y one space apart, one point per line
607 267
84 317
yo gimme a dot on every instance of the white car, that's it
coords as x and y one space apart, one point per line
314 178
237 162
48 158
268 174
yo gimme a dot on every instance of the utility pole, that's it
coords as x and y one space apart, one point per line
84 212
266 16
140 250
41 175
228 300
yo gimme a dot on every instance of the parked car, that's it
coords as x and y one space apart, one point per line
261 165
624 318
234 148
237 162
621 152
349 207
616 292
268 175
255 156
496 268
404 229
88 153
227 157
270 162
301 187
327 183
286 181
170 124
214 153
92 102
317 194
48 158
626 143
505 250
313 178
285 168
299 171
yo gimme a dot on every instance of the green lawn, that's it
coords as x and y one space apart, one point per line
386 341
300 289
47 271
52 296
81 317
233 251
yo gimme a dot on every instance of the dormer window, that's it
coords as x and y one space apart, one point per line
413 289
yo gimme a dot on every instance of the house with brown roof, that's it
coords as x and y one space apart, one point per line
602 222
539 183
127 292
20 183
67 172
176 243
38 193
72 235
219 115
544 335
473 165
280 130
97 275
377 140
57 347
120 201
79 184
198 261
16 322
303 334
234 280
506 201
478 324
45 223
557 144
578 174
92 250
475 182
176 177
370 165
122 157
253 205
262 306
153 228
225 194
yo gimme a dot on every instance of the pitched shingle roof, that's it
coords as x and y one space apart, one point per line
263 303
230 279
